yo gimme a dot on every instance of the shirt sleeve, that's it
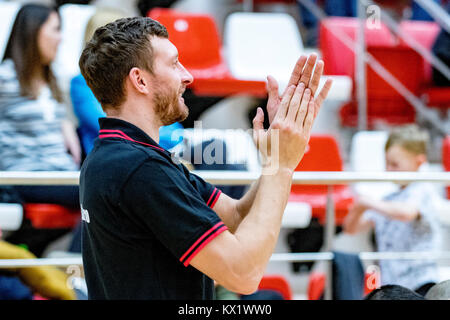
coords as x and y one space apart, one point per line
177 209
372 215
425 197
208 192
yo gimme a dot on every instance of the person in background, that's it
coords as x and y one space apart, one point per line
393 292
339 8
441 49
35 134
440 291
144 6
404 221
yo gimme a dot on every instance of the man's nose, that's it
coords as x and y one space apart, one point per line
187 78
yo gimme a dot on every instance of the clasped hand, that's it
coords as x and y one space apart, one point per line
291 116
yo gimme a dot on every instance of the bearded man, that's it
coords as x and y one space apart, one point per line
151 229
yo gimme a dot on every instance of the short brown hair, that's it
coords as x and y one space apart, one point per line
409 137
113 51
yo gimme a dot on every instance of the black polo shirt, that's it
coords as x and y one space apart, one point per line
144 218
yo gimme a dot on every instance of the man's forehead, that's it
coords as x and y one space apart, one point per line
162 47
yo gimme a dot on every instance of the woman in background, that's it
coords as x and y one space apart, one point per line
34 132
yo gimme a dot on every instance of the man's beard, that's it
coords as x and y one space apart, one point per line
168 107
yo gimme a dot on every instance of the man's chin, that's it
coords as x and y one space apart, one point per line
179 118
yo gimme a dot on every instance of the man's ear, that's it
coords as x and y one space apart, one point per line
139 80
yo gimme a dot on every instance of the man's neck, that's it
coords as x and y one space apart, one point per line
145 122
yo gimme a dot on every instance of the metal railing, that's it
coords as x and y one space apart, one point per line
245 178
362 57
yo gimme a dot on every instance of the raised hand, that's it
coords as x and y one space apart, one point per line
303 72
283 144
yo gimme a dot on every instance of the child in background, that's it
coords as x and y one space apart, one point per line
404 221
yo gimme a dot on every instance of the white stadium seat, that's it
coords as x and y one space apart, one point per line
255 46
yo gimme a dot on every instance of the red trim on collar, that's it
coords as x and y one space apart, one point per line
122 135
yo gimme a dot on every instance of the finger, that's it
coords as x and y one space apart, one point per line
284 105
272 88
314 83
309 119
294 105
306 75
258 120
273 99
323 95
258 125
297 72
303 110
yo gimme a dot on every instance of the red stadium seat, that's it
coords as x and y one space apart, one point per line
425 33
338 58
322 155
199 46
446 158
384 103
276 283
316 285
49 216
438 97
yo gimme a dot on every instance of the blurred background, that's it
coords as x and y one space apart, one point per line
389 61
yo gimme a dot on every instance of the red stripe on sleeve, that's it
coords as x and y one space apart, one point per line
217 198
199 240
211 237
210 197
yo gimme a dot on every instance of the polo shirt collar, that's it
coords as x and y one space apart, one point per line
117 128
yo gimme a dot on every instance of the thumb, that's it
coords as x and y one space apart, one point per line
258 123
272 88
258 120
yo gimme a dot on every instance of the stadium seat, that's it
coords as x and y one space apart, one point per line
277 283
49 216
199 46
338 58
322 155
446 159
253 39
436 97
316 284
384 103
425 33
11 216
